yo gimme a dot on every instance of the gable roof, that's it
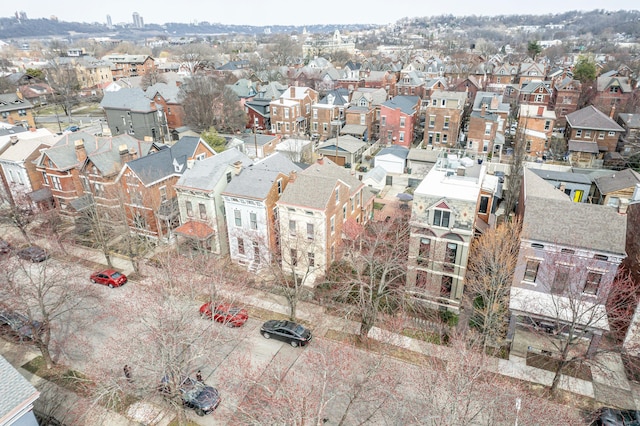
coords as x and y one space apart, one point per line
406 104
170 92
16 393
103 152
22 149
129 99
607 228
604 82
166 162
256 180
323 178
205 174
591 117
11 102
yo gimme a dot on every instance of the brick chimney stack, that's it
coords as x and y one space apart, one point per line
292 94
292 176
495 102
321 159
613 111
237 167
81 152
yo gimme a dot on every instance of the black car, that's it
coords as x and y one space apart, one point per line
613 417
287 331
33 253
18 324
202 398
5 247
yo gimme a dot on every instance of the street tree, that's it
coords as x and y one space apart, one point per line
52 297
283 48
370 277
577 308
17 216
463 388
330 382
492 262
63 80
194 57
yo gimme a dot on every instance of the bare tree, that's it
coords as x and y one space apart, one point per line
464 389
63 80
516 169
51 296
152 77
492 262
194 57
371 276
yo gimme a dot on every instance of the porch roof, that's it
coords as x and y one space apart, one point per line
196 230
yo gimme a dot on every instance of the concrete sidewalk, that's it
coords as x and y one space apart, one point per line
608 387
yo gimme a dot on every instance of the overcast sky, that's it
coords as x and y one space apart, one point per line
288 12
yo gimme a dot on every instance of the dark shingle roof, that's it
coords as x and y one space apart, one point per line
592 118
256 180
619 180
407 104
166 162
15 390
130 99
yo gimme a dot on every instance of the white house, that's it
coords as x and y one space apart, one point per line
375 178
199 189
249 203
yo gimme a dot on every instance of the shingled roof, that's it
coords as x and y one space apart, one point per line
256 180
592 118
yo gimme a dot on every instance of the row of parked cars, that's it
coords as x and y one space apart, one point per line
32 253
205 399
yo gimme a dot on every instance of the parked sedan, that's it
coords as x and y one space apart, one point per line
71 129
195 394
33 253
19 324
109 277
287 331
232 316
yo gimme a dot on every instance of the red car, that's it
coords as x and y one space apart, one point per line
225 314
109 277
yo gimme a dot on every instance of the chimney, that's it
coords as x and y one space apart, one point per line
132 154
292 176
13 139
613 111
540 110
178 83
237 167
494 102
562 186
484 110
292 93
148 139
321 159
281 100
623 205
19 94
190 163
81 153
123 152
460 171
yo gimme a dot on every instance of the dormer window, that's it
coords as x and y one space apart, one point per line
441 218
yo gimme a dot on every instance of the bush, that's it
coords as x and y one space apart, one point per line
450 318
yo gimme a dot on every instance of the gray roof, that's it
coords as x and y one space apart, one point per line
345 143
339 96
623 179
424 155
11 102
206 174
607 228
631 121
102 151
592 118
398 151
532 86
123 58
170 92
603 82
562 176
259 139
377 174
407 104
130 99
583 146
15 390
313 188
257 179
166 162
374 96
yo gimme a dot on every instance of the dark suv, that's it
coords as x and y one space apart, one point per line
5 247
202 398
33 253
18 324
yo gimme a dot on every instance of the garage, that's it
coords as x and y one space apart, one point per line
392 159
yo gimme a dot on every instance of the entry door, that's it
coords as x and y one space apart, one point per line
577 196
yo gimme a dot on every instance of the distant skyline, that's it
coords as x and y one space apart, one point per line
281 12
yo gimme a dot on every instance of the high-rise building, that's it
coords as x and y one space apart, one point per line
137 20
109 23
